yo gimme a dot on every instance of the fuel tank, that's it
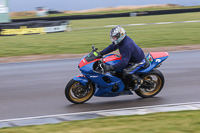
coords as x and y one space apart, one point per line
112 59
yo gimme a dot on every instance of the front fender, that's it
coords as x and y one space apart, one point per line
83 80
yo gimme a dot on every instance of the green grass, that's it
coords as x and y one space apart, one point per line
108 12
80 40
135 20
173 122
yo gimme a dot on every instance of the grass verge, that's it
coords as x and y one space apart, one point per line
171 122
80 40
136 20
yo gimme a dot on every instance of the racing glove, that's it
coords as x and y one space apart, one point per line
99 55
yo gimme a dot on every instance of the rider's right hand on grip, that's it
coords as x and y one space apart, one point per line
99 55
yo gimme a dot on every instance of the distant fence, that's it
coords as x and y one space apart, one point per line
33 27
174 11
144 13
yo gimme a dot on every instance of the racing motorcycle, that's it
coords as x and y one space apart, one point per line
95 81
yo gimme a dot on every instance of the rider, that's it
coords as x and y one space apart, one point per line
130 52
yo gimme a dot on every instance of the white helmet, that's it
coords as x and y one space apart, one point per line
117 34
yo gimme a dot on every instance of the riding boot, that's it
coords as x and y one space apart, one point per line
133 82
137 80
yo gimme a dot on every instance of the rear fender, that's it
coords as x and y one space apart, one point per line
155 59
82 79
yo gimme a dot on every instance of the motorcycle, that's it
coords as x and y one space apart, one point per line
95 81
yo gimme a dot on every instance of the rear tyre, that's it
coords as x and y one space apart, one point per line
76 93
156 78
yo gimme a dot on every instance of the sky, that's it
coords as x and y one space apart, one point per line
76 5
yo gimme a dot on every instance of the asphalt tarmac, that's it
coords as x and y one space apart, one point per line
37 88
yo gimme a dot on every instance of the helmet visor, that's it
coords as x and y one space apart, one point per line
113 38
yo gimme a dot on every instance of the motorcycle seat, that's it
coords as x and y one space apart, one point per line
147 64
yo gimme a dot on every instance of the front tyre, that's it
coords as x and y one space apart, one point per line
156 78
76 93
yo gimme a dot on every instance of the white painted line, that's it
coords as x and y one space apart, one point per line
100 111
191 21
165 23
135 24
110 26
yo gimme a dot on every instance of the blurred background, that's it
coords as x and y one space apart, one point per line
93 26
24 5
58 29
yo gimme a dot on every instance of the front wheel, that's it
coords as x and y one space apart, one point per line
156 79
76 93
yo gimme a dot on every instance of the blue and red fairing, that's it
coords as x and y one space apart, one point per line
87 70
86 67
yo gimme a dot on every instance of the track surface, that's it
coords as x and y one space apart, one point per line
37 88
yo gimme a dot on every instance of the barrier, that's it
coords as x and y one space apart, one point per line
74 17
174 11
33 27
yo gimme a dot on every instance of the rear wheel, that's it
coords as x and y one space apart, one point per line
154 78
75 92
